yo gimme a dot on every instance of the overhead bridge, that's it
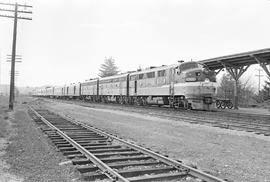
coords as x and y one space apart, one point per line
237 64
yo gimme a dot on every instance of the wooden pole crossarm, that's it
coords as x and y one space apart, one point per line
23 18
15 58
8 55
9 10
21 5
24 5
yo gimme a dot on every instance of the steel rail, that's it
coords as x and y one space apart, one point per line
236 125
218 121
178 165
244 126
113 175
166 109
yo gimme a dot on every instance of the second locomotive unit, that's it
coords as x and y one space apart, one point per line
189 85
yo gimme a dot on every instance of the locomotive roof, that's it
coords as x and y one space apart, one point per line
155 69
114 76
89 81
72 84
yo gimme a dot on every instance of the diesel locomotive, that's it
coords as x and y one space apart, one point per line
188 85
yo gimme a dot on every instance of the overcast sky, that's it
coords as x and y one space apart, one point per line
67 40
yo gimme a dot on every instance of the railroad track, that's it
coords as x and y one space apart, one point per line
102 156
257 128
251 123
216 113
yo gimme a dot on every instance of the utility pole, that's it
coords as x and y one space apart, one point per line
16 10
0 73
16 74
259 75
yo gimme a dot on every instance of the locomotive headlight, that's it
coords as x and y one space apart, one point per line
206 71
190 79
207 80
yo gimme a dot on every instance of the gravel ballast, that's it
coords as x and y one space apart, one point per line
29 155
235 155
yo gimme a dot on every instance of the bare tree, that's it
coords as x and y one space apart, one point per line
246 92
264 94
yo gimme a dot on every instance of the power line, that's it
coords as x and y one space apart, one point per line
16 10
19 5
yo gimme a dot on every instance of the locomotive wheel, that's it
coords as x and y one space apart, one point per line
138 101
120 100
223 105
144 102
230 105
218 104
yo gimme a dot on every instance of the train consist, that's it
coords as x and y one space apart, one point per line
189 85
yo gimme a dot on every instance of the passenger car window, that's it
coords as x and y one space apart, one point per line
140 76
150 75
161 73
133 77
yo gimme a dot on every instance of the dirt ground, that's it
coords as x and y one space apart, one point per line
25 152
235 155
6 133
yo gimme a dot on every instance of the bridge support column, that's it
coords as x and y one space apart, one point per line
236 72
217 72
263 63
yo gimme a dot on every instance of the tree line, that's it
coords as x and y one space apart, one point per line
247 96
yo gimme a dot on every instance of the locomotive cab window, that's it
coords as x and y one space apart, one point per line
188 65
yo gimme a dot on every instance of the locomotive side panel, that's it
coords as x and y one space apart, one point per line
77 90
70 90
57 92
89 90
48 91
114 88
153 82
